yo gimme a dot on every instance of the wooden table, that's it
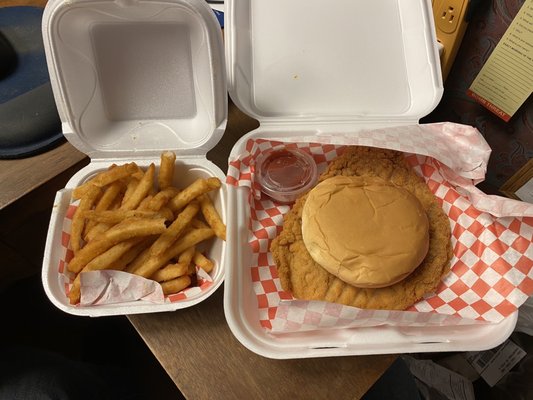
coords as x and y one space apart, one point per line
20 177
205 361
195 345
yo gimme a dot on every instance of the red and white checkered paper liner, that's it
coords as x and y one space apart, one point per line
66 277
492 267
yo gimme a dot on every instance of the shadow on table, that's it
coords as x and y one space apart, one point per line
56 355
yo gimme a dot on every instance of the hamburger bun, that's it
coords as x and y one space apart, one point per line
365 230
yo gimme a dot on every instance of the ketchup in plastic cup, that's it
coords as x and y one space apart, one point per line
285 174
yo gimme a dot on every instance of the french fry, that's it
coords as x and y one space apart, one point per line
104 178
131 185
116 216
97 231
166 169
160 199
74 293
203 262
141 191
110 194
196 223
120 224
175 229
190 239
139 173
115 258
133 253
176 285
197 188
115 205
143 204
166 213
108 259
142 258
78 220
133 227
212 217
173 271
187 256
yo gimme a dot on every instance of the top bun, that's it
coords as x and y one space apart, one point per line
364 230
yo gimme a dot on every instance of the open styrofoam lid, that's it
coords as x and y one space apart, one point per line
137 75
332 60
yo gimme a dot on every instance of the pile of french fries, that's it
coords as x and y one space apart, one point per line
138 221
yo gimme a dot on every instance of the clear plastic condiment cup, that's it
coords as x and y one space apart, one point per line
285 174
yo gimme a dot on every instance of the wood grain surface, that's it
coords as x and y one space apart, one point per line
21 176
203 358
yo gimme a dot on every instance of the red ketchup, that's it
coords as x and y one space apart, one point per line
285 174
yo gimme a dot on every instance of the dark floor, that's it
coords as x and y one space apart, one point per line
32 329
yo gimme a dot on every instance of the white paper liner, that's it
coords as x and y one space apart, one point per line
111 287
492 267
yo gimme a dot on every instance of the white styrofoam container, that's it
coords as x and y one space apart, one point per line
304 68
133 78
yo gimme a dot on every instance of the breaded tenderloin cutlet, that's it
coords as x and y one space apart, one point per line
307 280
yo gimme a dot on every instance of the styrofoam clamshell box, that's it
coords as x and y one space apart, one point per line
306 68
132 79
